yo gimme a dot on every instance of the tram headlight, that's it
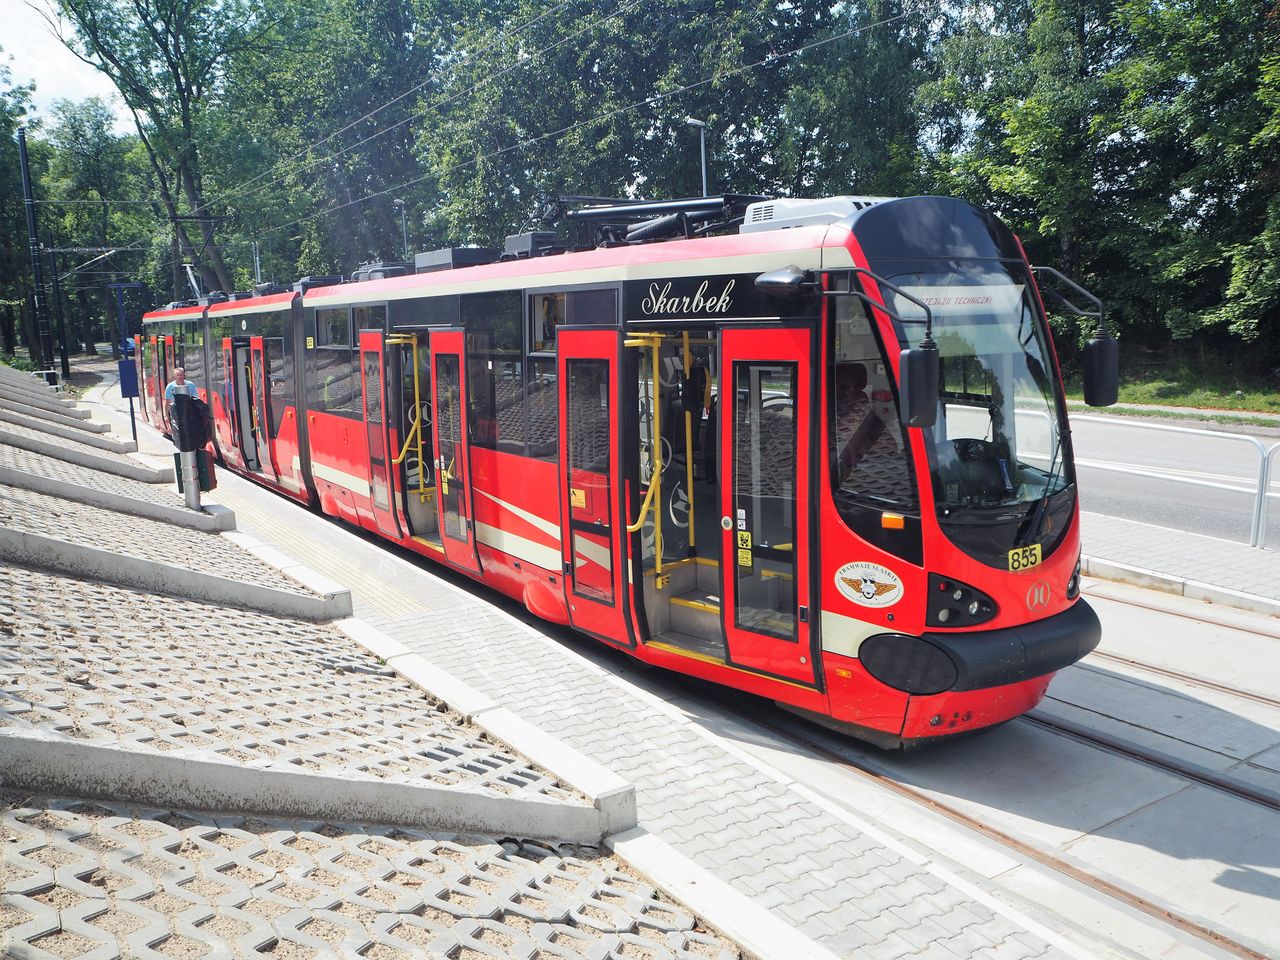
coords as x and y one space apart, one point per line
1073 585
908 663
955 604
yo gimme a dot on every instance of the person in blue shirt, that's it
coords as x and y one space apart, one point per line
179 384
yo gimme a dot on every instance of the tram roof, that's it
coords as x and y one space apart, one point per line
178 313
821 246
264 304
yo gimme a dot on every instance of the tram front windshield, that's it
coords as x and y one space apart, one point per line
996 452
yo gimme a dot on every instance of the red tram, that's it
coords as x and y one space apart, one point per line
823 458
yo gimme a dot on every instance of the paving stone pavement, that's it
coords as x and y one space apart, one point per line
838 886
1177 553
90 526
103 880
156 674
52 468
84 448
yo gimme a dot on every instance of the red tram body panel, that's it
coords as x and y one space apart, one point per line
656 445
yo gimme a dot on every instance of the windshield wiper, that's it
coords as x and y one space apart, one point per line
1042 506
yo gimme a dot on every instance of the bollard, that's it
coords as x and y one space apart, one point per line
190 478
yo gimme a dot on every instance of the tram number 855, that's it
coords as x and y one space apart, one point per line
1024 558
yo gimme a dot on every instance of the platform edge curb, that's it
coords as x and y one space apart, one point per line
760 934
1167 583
296 571
51 763
613 797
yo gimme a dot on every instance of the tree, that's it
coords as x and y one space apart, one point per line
166 57
15 102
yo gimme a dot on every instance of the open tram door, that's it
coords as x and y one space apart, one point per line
592 523
768 410
260 370
373 380
242 400
451 433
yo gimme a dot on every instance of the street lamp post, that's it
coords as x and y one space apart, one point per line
404 225
702 141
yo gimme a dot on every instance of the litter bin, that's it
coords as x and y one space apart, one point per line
204 469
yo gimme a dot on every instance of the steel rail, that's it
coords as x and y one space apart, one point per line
1188 678
1026 849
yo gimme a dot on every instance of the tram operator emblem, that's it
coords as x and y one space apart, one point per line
869 584
1038 595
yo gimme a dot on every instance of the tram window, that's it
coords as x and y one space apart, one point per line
333 328
542 415
193 354
273 347
870 459
547 312
370 318
270 324
592 306
219 330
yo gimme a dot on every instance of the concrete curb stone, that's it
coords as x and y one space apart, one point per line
88 426
178 516
609 793
58 765
1180 586
312 580
66 408
89 439
761 934
86 562
134 470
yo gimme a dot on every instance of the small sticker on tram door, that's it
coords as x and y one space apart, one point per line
1024 558
744 558
577 497
744 539
311 343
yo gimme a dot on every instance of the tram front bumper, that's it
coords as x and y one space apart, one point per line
938 663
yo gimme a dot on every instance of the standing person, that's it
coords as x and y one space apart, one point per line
179 384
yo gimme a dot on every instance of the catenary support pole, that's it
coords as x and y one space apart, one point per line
58 315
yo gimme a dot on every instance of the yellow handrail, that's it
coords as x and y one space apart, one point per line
414 436
654 342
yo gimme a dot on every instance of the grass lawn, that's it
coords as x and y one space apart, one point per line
1188 388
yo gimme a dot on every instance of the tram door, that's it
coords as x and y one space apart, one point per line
591 526
155 400
224 420
242 397
767 405
261 399
373 379
453 456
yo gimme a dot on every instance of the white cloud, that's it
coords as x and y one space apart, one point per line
33 53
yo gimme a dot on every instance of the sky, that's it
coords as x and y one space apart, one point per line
33 53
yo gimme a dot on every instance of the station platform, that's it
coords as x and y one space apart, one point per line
837 867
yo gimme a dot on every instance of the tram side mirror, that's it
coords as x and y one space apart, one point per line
918 384
788 282
1101 371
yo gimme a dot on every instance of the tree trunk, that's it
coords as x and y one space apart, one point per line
30 336
87 332
8 331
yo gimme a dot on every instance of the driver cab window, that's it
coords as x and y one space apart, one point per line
869 460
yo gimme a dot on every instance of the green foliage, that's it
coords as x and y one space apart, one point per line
1134 144
19 363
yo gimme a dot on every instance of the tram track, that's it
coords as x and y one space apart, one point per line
1186 678
1062 865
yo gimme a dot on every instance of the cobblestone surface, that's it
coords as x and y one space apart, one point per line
139 537
20 431
836 885
55 469
106 880
157 674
